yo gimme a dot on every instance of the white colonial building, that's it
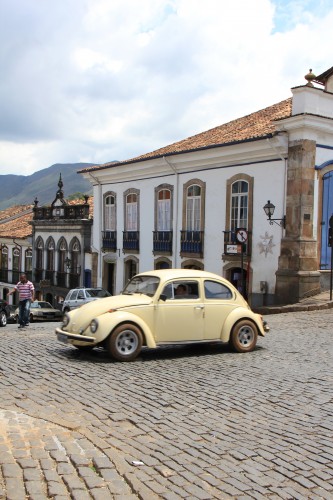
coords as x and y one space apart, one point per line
199 202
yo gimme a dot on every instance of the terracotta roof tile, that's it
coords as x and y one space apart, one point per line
253 126
17 227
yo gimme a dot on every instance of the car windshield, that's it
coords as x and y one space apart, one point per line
93 292
41 305
142 284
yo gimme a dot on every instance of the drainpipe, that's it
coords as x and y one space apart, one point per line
99 271
176 222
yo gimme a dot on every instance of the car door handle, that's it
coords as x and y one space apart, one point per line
199 307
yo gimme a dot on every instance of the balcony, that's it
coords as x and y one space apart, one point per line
63 212
109 241
131 241
192 242
162 242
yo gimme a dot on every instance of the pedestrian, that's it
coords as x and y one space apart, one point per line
26 292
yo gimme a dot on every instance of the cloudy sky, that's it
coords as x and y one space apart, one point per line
103 80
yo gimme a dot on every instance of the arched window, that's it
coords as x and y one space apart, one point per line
193 208
62 253
4 258
164 210
239 205
75 256
16 259
131 212
110 212
39 253
50 248
131 268
28 261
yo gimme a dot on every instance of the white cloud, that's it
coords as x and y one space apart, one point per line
100 81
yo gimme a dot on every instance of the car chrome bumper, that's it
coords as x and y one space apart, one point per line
66 337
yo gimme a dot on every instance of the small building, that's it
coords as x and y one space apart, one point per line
199 202
61 243
15 247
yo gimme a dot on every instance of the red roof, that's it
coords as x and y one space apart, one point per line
254 126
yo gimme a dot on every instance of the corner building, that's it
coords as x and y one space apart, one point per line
198 203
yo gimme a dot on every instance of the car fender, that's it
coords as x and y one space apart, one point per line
109 321
236 315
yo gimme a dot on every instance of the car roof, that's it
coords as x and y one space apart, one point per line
166 274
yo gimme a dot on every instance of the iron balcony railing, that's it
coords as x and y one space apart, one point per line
162 241
131 240
192 242
109 240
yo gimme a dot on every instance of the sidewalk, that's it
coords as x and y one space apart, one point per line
314 303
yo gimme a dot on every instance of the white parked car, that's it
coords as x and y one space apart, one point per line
171 306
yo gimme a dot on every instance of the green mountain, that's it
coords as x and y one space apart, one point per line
22 189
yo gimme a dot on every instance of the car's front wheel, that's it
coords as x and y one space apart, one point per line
243 337
3 318
125 342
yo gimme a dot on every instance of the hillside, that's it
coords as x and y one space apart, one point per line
22 189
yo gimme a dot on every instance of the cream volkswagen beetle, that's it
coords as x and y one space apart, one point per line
171 306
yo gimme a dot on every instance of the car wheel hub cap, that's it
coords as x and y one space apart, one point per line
246 336
127 342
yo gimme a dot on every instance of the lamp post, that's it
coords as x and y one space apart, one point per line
269 211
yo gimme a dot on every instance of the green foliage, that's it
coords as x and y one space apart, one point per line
76 196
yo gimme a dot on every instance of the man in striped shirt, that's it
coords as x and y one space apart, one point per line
26 292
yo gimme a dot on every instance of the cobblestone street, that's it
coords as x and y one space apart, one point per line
190 422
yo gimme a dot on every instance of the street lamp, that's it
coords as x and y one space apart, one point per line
269 211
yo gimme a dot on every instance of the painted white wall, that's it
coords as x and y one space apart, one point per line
268 184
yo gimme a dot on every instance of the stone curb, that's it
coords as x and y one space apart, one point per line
293 308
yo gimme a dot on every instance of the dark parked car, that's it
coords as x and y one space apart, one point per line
4 312
12 318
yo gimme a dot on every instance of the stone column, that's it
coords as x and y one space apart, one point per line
297 274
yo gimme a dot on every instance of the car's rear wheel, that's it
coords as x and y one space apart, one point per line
125 342
243 337
3 318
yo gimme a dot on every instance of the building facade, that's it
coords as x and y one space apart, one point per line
199 202
16 251
61 243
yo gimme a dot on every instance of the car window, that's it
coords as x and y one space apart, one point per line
215 290
45 305
73 295
95 292
181 289
80 295
142 284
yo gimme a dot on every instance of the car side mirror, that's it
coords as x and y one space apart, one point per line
163 297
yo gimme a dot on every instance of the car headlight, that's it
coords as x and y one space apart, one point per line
94 326
65 320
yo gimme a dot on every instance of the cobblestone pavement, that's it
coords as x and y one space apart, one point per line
195 422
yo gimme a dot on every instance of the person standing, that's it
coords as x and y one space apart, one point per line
26 292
